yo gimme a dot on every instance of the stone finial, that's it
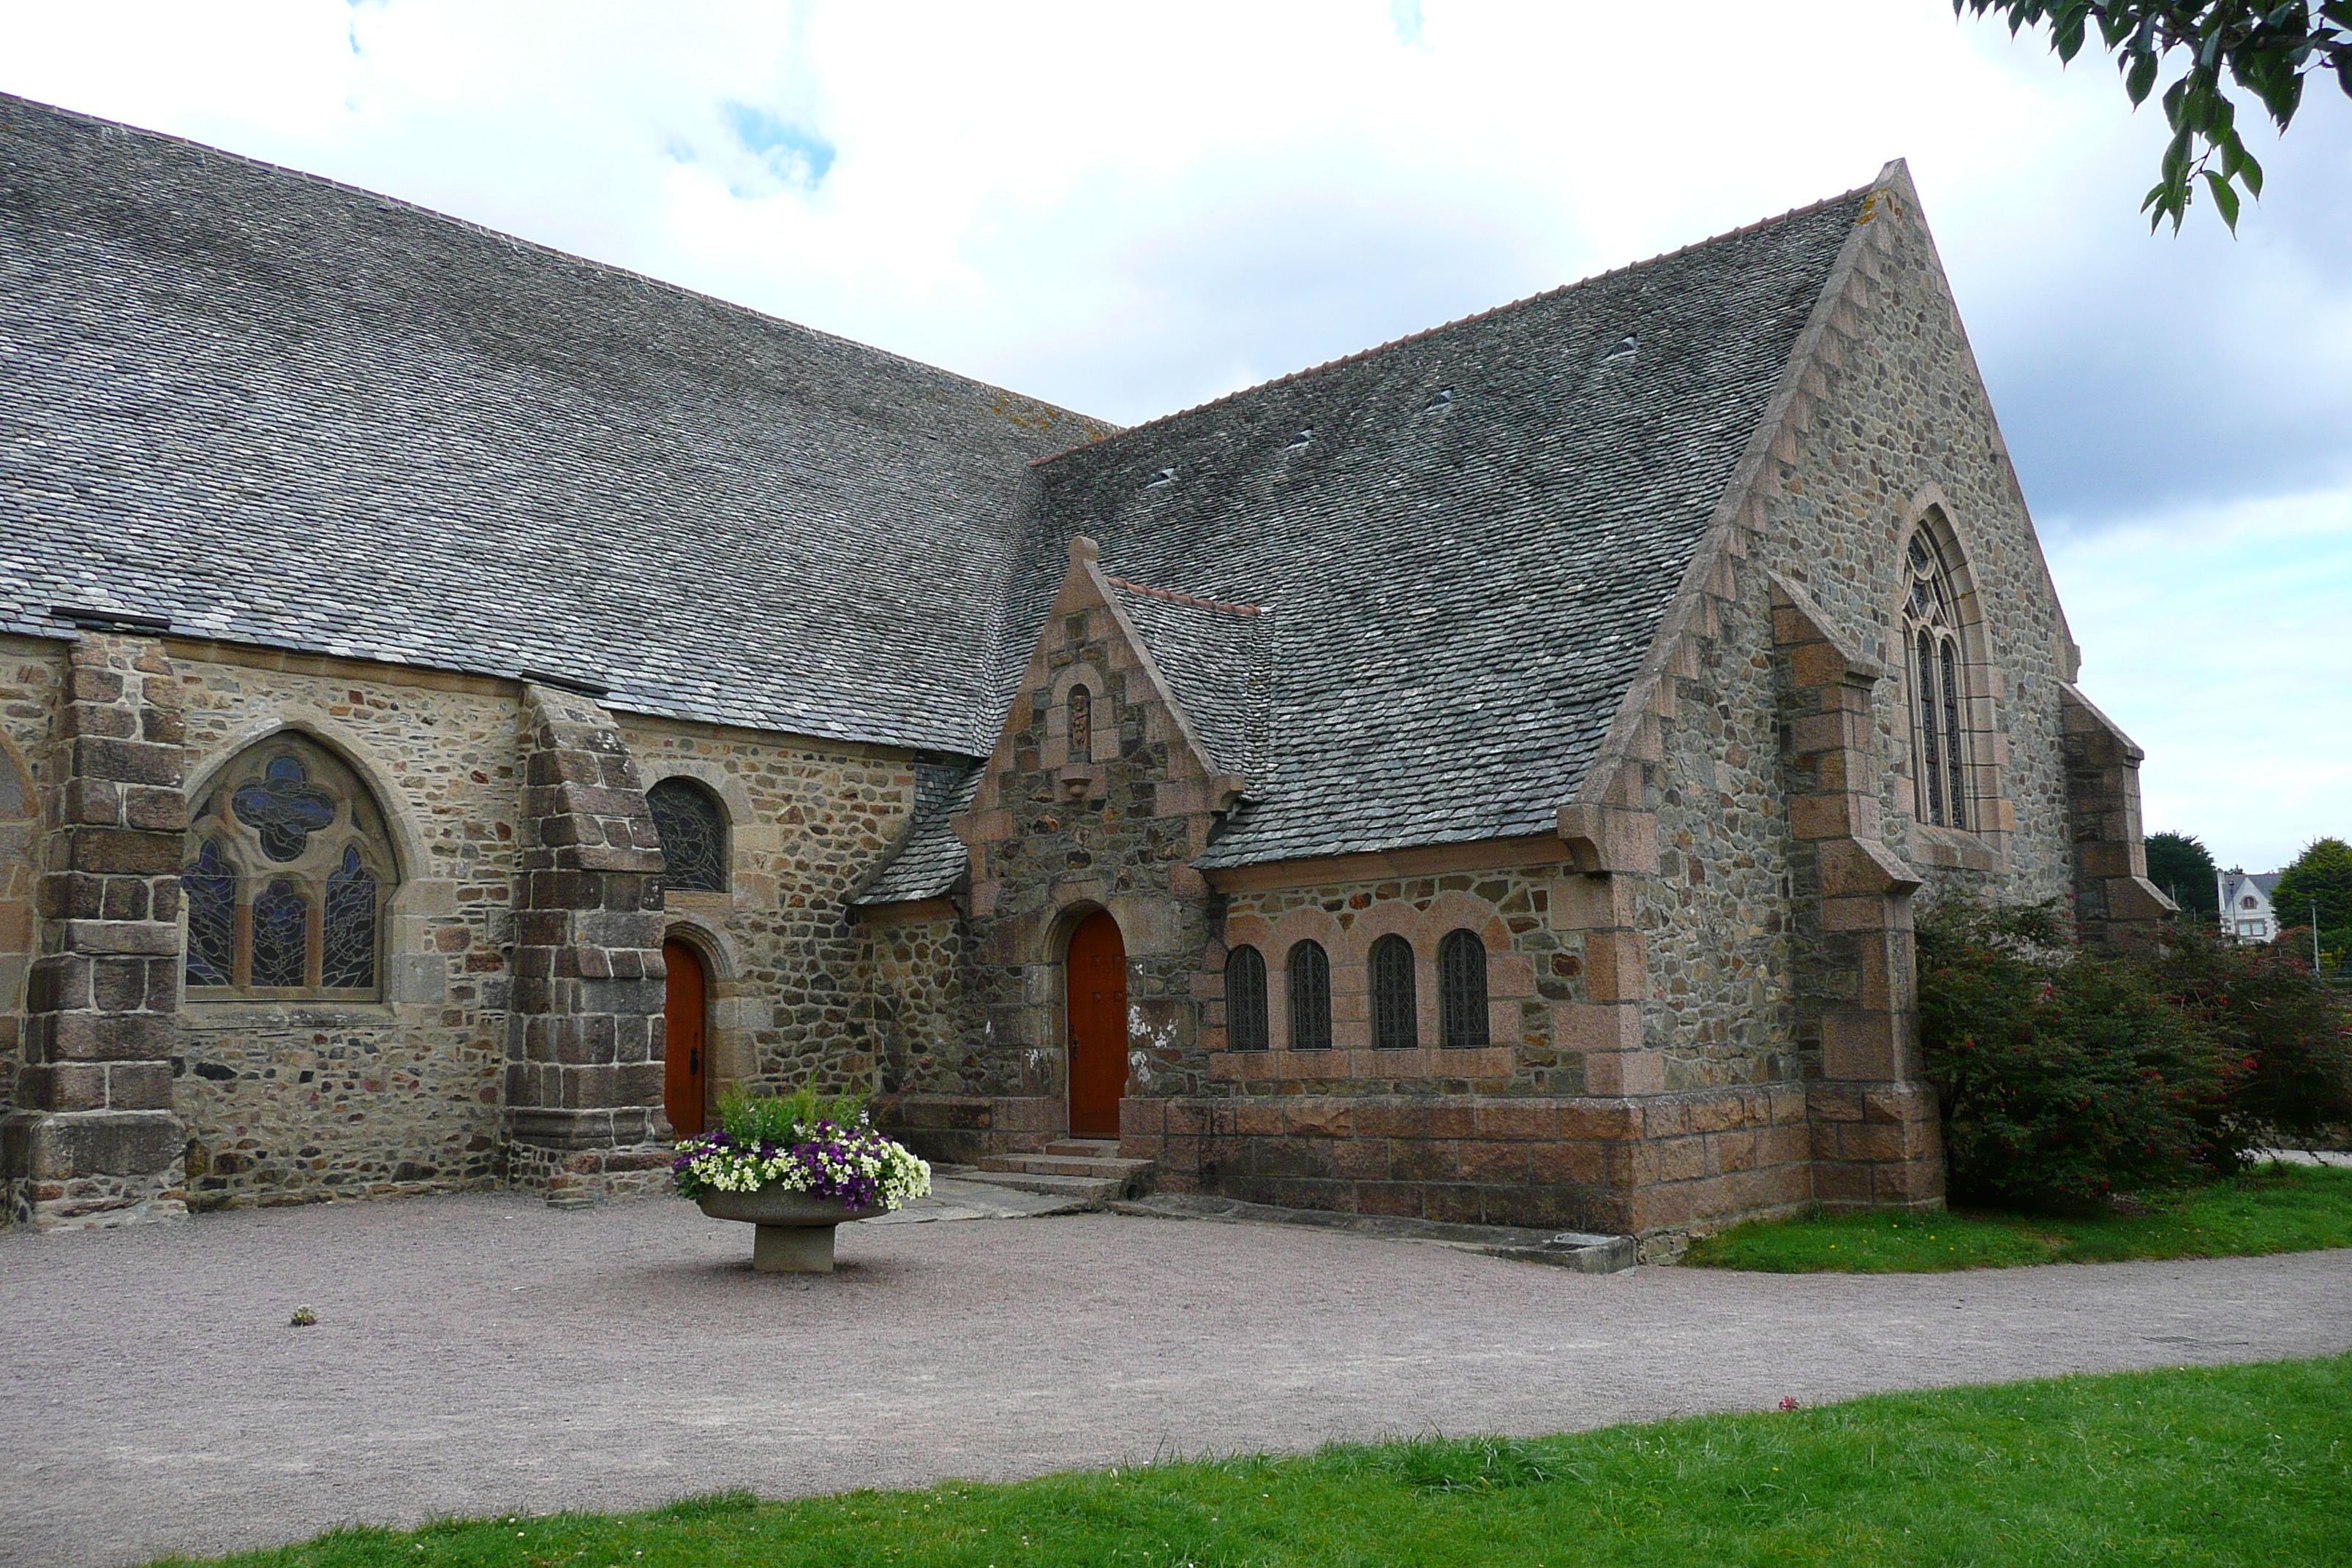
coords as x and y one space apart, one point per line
1083 552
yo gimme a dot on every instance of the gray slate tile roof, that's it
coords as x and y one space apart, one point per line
1465 540
931 859
281 411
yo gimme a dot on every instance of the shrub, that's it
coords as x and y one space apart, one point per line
2291 1031
791 1118
2063 1077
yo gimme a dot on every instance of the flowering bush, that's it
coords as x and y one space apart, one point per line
801 1144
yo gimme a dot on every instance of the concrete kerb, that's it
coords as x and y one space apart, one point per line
1584 1252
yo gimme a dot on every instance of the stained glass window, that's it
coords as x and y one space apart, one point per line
212 918
288 868
348 961
1462 990
1309 975
281 936
1245 999
693 832
1937 674
1396 1025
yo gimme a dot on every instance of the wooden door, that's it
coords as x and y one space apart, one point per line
689 996
1098 974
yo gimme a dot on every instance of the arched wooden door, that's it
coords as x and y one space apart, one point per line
1098 976
688 1012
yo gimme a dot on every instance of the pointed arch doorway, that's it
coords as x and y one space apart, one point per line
1097 969
687 1012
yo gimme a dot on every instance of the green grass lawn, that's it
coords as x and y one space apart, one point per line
2280 1208
2238 1465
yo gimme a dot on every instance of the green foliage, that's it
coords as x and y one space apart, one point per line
2264 48
2181 865
2225 1465
2278 1208
2062 1077
2321 875
2291 1033
782 1118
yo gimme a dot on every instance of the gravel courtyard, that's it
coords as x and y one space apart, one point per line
484 1352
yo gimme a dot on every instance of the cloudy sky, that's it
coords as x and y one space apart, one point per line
1128 209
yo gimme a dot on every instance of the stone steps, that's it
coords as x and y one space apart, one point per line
1069 1165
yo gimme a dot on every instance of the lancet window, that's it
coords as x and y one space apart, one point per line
1308 978
1462 990
1245 999
288 872
1936 674
1395 1011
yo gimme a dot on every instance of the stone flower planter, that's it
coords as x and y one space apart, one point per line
795 1230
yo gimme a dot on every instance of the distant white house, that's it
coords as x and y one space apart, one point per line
2246 912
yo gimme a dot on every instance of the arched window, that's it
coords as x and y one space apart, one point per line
1462 990
1935 673
693 829
1309 975
1245 999
288 866
1395 1015
1082 724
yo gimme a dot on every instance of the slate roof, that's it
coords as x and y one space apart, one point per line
930 858
1465 540
281 411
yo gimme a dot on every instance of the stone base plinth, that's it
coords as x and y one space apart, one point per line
1876 1146
959 1128
572 1175
94 1170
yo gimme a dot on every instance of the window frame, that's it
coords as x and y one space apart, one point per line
1246 1023
1463 994
1395 996
685 786
1937 680
1306 971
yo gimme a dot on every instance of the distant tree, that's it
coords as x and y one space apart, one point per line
2266 49
2322 874
2183 867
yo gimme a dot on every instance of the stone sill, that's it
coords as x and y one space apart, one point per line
1954 849
249 1013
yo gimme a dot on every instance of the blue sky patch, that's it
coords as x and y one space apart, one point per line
794 153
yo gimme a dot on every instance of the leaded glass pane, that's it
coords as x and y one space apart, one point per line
1310 997
284 807
1931 762
281 936
1245 1000
1462 990
349 960
211 896
1396 1025
693 836
1958 794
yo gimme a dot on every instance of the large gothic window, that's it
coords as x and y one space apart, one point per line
1462 991
693 829
1935 673
1396 1023
1308 974
1245 999
287 869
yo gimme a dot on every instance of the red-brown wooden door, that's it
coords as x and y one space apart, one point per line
1097 972
690 997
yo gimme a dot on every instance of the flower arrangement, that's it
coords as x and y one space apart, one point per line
803 1143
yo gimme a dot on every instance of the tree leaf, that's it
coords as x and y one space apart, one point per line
2225 200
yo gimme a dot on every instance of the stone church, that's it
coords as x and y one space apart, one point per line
463 706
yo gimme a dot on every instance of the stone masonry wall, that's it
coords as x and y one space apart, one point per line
30 672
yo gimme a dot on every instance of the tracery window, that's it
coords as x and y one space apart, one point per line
1245 999
1395 1012
1935 673
287 869
692 826
1308 973
1082 724
1462 991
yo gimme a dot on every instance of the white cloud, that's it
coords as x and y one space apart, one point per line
1128 210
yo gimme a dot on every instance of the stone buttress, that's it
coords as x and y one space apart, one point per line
585 1037
95 1142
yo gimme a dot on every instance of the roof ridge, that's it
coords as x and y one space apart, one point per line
1492 311
516 241
1197 601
